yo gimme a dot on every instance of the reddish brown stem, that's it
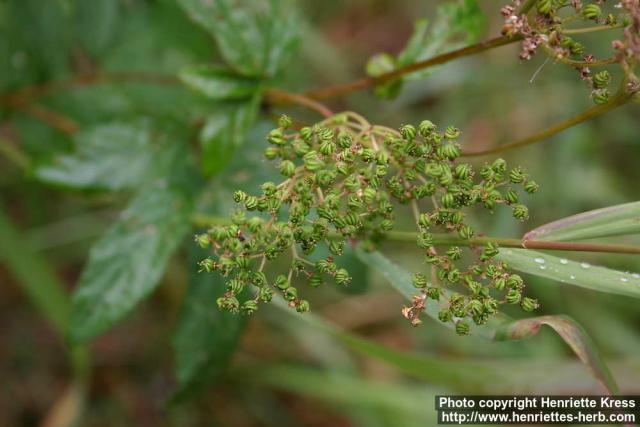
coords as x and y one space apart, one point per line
367 82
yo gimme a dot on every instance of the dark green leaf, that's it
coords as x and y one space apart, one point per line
35 275
205 337
611 221
114 156
224 131
573 273
218 83
96 24
255 38
126 264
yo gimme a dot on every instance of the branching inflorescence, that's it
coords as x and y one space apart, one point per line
548 30
344 180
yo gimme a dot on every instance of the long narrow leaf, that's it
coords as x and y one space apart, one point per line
610 221
572 333
573 273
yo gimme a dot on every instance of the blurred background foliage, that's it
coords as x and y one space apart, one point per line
104 149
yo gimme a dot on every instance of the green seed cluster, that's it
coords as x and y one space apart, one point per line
344 181
549 31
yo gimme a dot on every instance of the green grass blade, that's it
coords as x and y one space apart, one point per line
611 221
34 274
572 273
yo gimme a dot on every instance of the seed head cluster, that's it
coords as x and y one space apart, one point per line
344 182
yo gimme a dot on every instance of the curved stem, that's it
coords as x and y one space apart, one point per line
620 99
275 96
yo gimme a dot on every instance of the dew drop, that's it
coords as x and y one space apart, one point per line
543 267
563 261
585 265
572 277
624 279
539 260
636 276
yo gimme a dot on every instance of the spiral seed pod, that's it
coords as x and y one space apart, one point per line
520 212
302 306
451 133
601 79
544 6
529 304
591 11
600 96
276 137
462 327
249 307
408 132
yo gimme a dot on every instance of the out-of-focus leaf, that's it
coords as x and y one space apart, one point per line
610 221
572 333
206 336
416 43
255 38
44 30
573 273
345 389
96 24
358 270
380 64
49 296
114 156
126 264
463 376
457 23
218 83
501 327
224 131
34 275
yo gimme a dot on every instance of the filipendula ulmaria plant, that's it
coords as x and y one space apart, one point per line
343 182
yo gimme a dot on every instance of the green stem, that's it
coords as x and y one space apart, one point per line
202 220
14 155
592 29
621 98
449 239
527 7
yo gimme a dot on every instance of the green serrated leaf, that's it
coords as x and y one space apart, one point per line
218 83
611 221
126 264
114 156
205 337
255 38
573 273
225 131
501 327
